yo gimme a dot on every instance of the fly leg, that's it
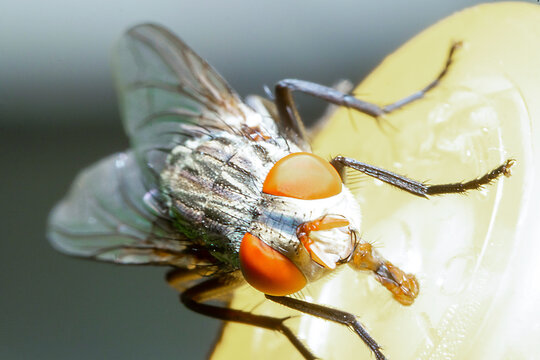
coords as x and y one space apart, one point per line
419 188
422 92
194 298
345 86
334 315
291 119
181 278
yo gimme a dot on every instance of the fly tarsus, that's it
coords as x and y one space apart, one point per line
475 184
422 92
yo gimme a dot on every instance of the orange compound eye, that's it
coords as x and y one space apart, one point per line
267 270
302 176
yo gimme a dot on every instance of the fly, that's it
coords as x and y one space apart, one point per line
227 192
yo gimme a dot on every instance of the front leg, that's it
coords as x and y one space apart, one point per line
416 187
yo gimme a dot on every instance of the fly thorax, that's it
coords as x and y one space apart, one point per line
212 187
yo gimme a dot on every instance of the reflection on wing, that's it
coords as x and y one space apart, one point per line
164 86
109 215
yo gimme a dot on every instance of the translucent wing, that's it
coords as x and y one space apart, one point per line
167 93
109 215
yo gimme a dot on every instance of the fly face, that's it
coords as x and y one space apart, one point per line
329 240
327 218
311 235
227 192
308 217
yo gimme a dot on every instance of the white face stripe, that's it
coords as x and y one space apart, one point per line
280 217
331 245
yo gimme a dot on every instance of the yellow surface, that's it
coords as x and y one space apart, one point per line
475 256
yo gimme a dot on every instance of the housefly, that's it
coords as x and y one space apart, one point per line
227 192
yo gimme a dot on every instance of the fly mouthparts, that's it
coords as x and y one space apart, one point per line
328 240
404 287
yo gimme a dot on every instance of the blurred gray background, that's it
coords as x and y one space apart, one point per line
58 114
